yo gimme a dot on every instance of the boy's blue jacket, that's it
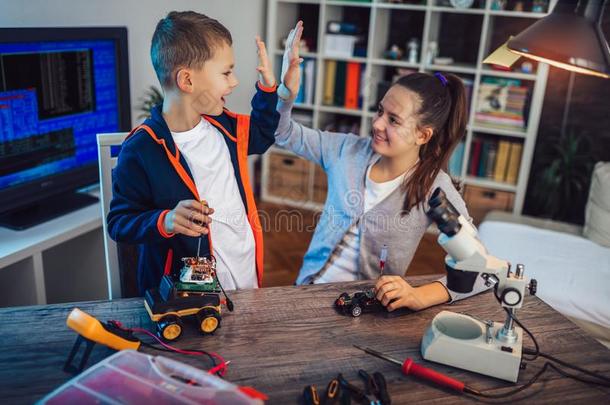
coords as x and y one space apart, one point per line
151 177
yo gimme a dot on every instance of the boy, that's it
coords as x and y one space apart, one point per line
192 152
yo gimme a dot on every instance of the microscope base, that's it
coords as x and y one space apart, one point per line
460 341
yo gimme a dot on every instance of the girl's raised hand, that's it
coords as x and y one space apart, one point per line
291 74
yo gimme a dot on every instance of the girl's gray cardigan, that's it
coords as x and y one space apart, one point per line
345 158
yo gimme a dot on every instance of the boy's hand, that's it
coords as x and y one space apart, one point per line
394 292
190 217
265 72
291 74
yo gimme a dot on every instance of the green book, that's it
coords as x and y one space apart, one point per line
339 98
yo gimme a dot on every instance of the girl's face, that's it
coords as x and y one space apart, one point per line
395 129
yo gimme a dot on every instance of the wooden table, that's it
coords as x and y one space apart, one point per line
281 339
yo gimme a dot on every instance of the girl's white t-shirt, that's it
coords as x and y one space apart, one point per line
207 155
343 263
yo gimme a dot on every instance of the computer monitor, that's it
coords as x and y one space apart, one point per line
59 87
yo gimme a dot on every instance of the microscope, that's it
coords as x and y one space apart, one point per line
460 340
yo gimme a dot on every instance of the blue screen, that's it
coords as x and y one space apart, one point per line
54 98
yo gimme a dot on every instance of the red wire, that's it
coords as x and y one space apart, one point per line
221 368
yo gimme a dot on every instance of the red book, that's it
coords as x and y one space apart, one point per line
475 156
352 84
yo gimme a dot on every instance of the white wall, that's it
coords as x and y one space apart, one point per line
244 18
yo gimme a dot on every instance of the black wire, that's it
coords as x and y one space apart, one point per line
572 366
530 334
579 378
534 379
512 392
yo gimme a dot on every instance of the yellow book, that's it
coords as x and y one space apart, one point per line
329 82
514 162
501 160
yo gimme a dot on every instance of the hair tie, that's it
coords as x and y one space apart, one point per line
442 78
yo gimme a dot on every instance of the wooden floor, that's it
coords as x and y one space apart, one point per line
287 238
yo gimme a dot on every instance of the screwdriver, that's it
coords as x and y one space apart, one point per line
382 258
205 205
409 367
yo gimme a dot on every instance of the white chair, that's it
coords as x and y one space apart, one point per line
107 162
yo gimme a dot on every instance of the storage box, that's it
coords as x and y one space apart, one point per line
288 177
479 201
130 377
339 45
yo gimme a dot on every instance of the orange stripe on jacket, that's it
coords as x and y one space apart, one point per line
161 225
219 126
243 134
175 161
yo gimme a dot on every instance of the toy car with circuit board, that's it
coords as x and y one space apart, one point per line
195 293
358 303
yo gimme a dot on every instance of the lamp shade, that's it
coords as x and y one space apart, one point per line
570 38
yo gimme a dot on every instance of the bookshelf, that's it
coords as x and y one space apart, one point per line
466 36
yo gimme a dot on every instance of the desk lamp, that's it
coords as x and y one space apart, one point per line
570 38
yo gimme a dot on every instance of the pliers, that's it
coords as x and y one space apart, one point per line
363 397
376 386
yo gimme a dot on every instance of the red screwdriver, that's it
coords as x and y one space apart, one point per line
409 367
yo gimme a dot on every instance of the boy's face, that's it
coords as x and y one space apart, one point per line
214 81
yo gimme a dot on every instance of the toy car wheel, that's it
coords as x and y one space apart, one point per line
209 320
356 310
169 328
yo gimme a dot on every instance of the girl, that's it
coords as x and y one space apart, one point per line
378 187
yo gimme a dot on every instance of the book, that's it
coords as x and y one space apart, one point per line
501 161
502 102
362 86
491 160
329 82
310 67
352 84
475 155
483 159
514 162
339 94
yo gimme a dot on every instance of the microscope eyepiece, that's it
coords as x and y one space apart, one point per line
443 213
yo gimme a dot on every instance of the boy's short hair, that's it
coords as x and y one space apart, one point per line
185 39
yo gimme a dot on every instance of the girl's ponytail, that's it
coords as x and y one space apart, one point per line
444 109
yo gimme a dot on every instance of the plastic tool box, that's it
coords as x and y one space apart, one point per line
131 377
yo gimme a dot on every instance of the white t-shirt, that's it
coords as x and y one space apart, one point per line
343 263
207 155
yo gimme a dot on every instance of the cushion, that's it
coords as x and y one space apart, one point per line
597 212
573 272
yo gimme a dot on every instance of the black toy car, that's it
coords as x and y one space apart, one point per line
359 302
